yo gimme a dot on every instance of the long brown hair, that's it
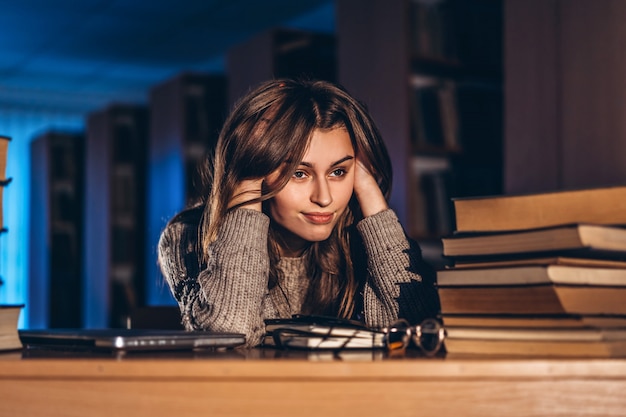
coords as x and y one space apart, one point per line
269 130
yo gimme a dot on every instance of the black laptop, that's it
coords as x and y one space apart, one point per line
128 339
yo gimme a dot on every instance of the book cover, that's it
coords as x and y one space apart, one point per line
9 337
606 205
534 320
542 260
533 299
532 274
587 240
542 342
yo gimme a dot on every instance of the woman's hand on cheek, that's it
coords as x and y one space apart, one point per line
245 191
367 191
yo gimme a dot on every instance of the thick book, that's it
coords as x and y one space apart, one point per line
547 260
576 240
320 332
605 205
532 274
9 336
533 299
539 342
534 320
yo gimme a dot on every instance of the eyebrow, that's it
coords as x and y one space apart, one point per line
342 160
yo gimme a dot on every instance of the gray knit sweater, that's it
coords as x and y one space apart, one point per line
231 292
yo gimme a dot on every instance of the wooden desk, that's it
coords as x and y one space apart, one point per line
249 383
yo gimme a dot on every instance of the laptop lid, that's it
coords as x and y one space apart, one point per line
128 339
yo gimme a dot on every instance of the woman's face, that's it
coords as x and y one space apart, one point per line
309 206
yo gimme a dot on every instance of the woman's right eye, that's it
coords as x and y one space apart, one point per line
299 174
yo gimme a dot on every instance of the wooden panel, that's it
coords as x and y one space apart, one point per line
565 94
593 41
532 130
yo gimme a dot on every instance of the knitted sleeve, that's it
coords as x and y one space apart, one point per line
228 293
400 284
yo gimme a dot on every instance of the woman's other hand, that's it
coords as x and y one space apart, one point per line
246 191
367 191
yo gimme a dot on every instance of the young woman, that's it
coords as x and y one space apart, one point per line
295 221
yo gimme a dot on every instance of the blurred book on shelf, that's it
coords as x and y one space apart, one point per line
9 337
4 149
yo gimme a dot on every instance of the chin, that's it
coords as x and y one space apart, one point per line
317 236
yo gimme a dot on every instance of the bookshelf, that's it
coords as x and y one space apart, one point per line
430 73
187 113
56 241
279 53
116 142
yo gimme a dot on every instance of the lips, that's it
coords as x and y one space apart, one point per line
319 218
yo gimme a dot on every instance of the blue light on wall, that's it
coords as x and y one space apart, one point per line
22 126
165 199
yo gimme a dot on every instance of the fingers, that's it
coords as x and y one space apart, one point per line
245 194
367 191
363 178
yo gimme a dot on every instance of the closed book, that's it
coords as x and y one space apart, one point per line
534 320
533 299
532 274
543 342
580 240
606 205
542 260
9 337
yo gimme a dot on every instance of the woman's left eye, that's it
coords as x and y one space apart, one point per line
338 172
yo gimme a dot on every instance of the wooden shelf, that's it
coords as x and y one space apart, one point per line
187 113
117 138
56 241
439 104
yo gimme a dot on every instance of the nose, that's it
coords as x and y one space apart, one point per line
321 194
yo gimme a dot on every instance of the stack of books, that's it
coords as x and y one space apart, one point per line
537 275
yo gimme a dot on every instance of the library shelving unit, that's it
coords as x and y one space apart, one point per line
116 150
278 53
187 113
56 219
430 73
